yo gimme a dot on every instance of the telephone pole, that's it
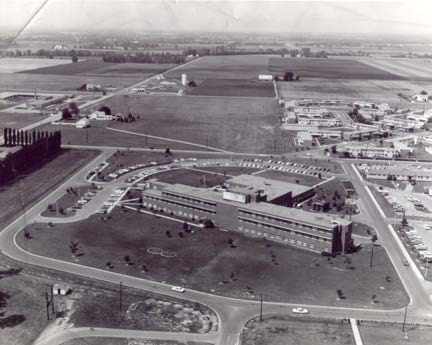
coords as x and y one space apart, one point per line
261 307
404 321
120 296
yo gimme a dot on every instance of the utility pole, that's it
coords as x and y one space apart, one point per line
206 140
261 307
120 296
274 146
404 321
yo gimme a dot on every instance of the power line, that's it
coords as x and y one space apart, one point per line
24 27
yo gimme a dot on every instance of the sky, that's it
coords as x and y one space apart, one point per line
411 17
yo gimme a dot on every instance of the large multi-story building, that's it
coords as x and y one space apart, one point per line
369 151
256 207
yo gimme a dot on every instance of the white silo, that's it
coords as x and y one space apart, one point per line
184 79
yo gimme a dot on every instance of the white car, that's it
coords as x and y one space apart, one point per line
300 311
178 289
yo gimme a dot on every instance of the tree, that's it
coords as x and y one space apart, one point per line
185 226
127 260
66 114
73 108
192 83
423 92
373 239
105 109
74 58
73 247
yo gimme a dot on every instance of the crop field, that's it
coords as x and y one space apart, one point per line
263 266
28 81
104 69
329 68
18 120
409 68
13 65
224 67
234 87
238 124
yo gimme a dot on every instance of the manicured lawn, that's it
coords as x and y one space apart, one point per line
332 191
291 178
230 171
24 307
391 334
363 229
98 135
40 182
95 308
237 124
206 262
191 178
234 87
291 330
329 68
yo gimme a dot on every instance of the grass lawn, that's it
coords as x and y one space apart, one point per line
230 171
391 334
234 87
129 233
291 330
329 68
191 178
67 200
242 125
98 135
21 301
385 206
18 120
123 341
291 178
140 310
363 229
41 181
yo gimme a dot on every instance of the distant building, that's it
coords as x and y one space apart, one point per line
82 123
184 79
100 115
304 139
61 289
255 207
368 151
420 98
265 77
400 174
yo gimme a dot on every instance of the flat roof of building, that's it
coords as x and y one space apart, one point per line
396 171
316 219
272 188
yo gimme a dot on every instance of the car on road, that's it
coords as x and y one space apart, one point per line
405 262
300 310
178 289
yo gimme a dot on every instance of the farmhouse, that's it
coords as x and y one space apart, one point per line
255 207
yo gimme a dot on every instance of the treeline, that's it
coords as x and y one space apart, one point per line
36 148
160 58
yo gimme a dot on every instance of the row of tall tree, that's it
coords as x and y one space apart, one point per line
144 58
36 148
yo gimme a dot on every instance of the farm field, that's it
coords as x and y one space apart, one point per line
99 135
378 91
409 68
224 67
237 124
234 87
329 68
123 341
13 65
18 120
104 69
291 330
29 81
249 262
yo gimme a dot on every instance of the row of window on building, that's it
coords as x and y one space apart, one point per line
284 221
170 202
189 199
284 240
281 230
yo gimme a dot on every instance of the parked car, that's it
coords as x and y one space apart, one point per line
300 310
178 289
